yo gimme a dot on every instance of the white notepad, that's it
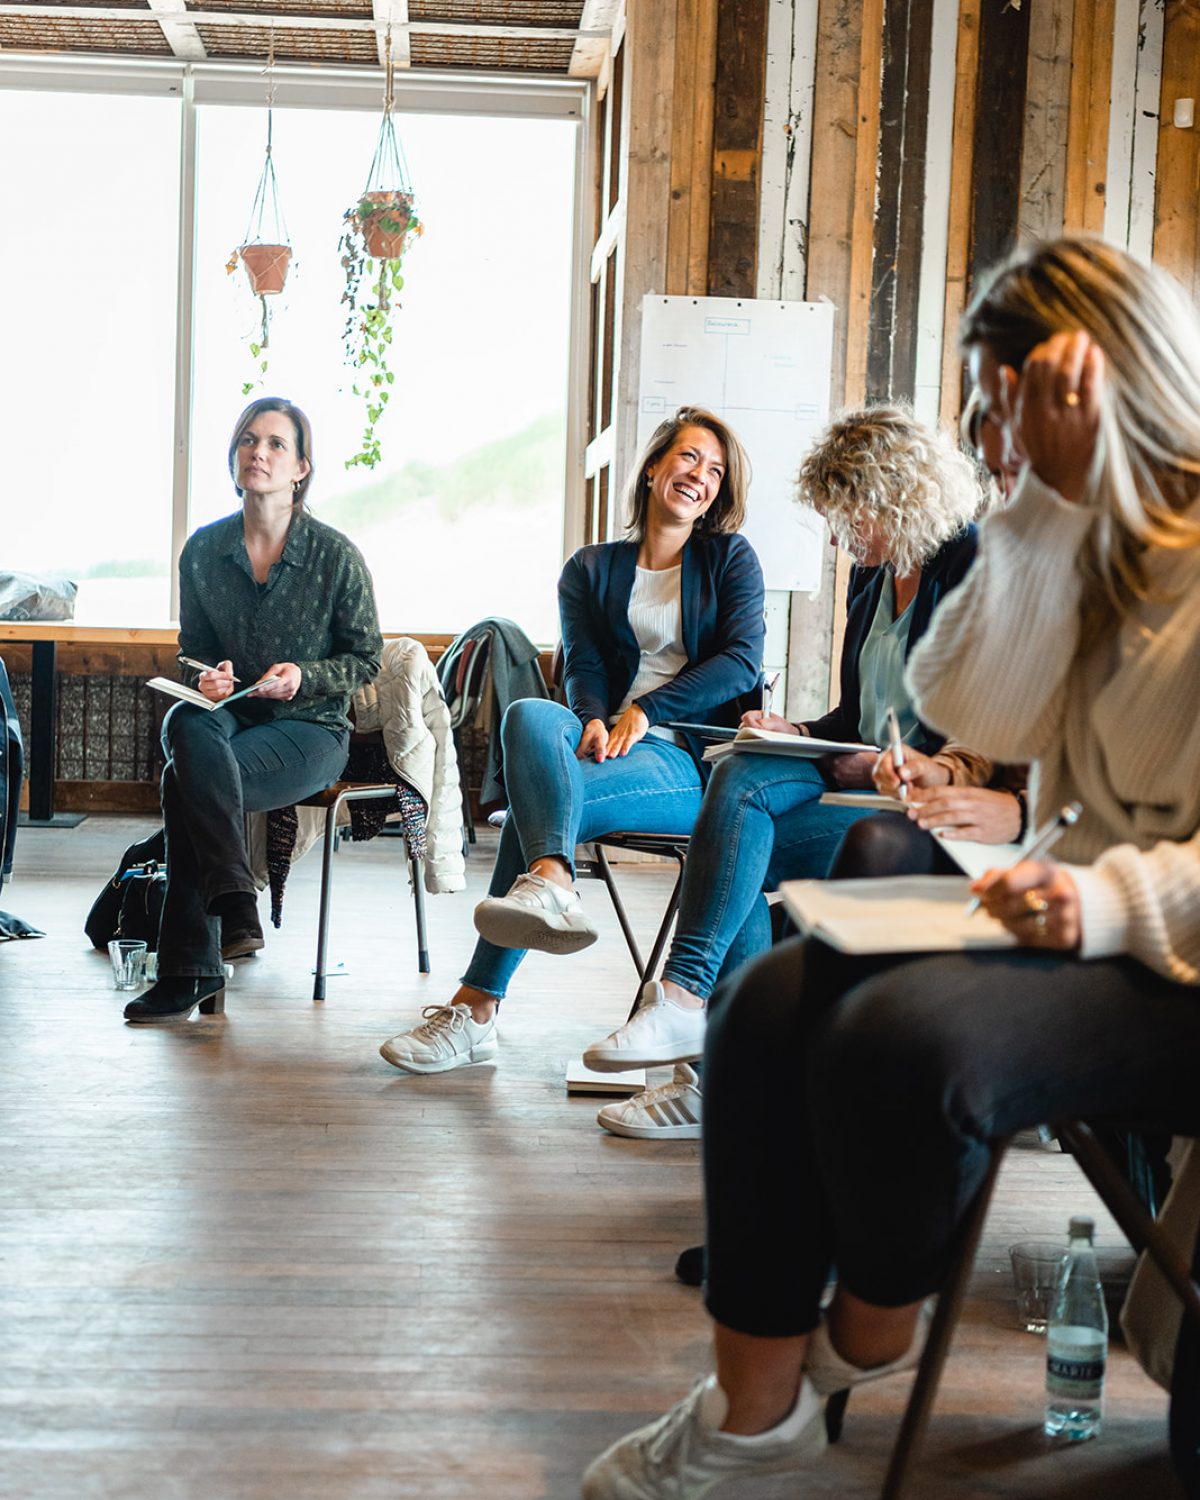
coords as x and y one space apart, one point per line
906 914
771 742
192 695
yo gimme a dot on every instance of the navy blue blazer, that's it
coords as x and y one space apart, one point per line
721 595
944 571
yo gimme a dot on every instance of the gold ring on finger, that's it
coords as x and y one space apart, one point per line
1036 904
1071 398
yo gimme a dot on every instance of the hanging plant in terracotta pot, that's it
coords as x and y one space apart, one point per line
377 229
265 251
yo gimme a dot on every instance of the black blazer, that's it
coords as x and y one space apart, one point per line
721 591
944 571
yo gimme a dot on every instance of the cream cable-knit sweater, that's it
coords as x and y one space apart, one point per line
1114 723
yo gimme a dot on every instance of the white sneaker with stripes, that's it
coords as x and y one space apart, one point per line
670 1112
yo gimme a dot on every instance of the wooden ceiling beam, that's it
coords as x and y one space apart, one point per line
596 25
179 29
393 13
289 21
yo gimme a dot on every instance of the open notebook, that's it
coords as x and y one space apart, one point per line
771 742
191 695
906 914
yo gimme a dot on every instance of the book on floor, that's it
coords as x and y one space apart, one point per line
771 742
187 694
903 914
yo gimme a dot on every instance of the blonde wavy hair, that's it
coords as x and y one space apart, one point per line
880 465
1145 470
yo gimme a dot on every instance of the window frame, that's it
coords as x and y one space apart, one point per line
343 88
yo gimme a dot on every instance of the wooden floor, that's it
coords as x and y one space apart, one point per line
245 1259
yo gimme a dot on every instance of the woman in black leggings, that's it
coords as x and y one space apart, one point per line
851 1102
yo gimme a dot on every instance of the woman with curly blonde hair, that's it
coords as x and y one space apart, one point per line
899 498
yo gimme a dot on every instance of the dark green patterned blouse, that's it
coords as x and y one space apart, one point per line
317 609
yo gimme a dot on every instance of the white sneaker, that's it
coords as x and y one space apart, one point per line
670 1112
536 913
660 1032
448 1037
683 1455
829 1372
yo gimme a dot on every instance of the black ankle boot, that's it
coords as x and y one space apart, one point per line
175 997
241 931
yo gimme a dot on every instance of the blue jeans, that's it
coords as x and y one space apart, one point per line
557 801
761 822
218 769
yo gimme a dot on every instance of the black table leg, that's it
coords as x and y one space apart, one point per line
42 711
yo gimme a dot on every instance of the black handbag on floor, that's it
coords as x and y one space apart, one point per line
130 905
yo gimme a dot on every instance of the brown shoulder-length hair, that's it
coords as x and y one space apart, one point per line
728 510
300 425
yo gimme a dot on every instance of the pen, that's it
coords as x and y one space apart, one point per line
767 691
1042 844
897 747
200 666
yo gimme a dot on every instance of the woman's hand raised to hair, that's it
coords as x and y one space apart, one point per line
217 682
1057 414
593 742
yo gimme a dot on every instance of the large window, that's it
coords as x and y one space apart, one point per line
88 256
464 516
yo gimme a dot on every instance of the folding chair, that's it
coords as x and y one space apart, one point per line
332 799
1136 1224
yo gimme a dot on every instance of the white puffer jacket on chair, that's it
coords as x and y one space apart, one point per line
405 702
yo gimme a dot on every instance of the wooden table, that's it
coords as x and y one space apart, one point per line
45 637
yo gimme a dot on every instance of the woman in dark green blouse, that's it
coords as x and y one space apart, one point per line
267 593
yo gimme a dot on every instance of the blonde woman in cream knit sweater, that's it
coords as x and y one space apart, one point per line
850 1103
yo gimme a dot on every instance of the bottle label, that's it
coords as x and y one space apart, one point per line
1076 1379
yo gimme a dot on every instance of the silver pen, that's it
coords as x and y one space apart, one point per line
897 748
1042 844
200 666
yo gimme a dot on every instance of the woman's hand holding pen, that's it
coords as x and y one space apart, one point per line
759 718
1036 900
918 772
217 682
968 812
287 677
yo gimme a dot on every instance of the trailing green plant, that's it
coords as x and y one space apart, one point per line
383 222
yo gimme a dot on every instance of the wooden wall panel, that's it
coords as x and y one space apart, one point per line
737 147
999 115
1047 116
1177 196
958 249
1087 135
692 148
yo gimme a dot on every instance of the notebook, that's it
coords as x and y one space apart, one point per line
906 914
191 695
771 742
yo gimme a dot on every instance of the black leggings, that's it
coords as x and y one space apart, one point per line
849 1103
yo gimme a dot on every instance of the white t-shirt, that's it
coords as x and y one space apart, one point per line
656 619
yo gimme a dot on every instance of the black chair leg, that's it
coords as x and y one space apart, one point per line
660 941
416 869
323 911
606 875
941 1332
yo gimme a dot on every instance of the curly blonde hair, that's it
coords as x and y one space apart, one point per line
880 465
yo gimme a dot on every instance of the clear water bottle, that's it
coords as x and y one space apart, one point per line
1077 1344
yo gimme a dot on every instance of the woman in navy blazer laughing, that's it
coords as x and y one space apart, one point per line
665 625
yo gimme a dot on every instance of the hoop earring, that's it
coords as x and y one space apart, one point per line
296 483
